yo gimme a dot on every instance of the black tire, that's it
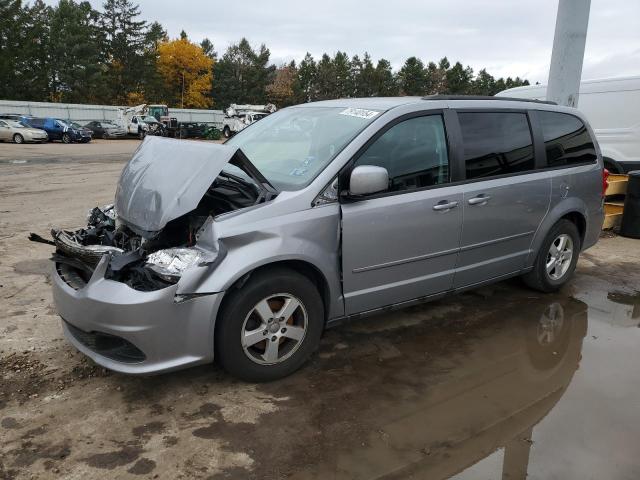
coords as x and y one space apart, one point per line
226 131
105 136
17 138
539 278
66 138
229 352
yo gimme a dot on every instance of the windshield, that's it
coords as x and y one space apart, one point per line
76 125
149 119
292 146
15 124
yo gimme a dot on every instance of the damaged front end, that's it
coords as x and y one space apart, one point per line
162 222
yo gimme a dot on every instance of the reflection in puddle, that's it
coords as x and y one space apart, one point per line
449 397
625 298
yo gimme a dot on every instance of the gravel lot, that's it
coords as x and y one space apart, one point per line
497 380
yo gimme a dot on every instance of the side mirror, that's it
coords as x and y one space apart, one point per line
367 179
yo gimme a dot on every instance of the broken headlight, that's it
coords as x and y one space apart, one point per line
169 264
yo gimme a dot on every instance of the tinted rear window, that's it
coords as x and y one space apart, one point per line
36 122
566 140
496 143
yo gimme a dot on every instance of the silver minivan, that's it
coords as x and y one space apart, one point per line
245 252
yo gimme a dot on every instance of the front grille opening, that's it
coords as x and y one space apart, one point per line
76 278
110 346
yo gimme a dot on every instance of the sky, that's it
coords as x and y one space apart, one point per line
507 37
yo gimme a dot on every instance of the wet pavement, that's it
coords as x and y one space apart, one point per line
497 383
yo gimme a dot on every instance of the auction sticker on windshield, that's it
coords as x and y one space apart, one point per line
359 112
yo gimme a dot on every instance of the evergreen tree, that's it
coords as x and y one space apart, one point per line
307 72
412 77
366 81
386 84
32 67
11 17
241 75
342 72
207 48
484 84
125 38
459 79
75 53
325 79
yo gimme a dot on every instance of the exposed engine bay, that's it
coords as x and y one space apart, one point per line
150 260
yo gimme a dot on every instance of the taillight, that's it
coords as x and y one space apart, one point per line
605 181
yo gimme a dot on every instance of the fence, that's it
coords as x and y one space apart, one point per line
84 113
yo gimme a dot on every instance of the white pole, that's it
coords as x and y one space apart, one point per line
568 51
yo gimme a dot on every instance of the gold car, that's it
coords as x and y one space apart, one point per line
16 132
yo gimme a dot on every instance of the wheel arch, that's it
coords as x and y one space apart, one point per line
573 210
306 268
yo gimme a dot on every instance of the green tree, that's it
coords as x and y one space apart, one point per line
459 79
124 47
385 82
31 69
241 75
484 84
342 72
325 79
11 16
207 48
366 81
75 53
412 77
307 72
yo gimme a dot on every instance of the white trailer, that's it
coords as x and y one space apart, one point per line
612 106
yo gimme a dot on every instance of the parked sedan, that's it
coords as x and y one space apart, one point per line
16 132
85 133
106 129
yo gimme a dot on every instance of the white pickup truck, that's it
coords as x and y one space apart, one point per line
238 117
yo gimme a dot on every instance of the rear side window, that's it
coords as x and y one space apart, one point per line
566 140
414 152
496 143
36 122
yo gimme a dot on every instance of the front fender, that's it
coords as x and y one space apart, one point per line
311 236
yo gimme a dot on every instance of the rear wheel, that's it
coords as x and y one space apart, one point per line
17 138
66 138
557 258
269 328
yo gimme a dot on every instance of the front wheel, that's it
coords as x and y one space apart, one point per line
556 259
267 329
17 138
226 131
66 138
141 134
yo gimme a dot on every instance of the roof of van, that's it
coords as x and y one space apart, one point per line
440 101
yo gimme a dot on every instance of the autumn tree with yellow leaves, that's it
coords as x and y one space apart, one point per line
187 72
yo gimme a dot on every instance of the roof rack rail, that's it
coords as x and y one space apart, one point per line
485 97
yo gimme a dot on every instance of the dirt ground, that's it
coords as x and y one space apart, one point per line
501 380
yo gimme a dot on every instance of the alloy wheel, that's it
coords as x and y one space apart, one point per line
274 329
559 256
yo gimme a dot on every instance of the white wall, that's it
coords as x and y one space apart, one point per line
81 112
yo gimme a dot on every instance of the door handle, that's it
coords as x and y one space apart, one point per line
444 206
481 199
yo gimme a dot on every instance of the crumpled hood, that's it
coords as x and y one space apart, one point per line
166 179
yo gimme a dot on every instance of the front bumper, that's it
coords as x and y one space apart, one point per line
116 133
168 335
37 138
